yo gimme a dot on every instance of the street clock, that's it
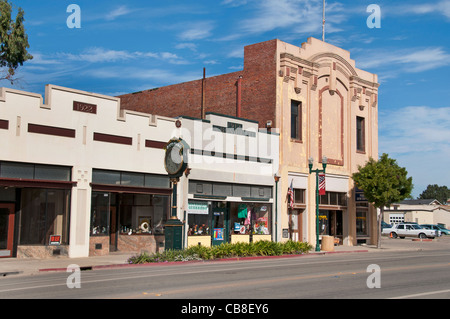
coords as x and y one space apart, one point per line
175 160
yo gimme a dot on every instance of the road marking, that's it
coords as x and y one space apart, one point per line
422 294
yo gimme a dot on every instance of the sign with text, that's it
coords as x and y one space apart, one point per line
84 107
55 240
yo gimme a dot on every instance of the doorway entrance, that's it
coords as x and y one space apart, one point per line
295 225
330 223
7 215
220 226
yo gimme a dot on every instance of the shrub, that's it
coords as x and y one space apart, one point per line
226 250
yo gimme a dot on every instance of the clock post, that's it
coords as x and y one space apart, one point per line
175 162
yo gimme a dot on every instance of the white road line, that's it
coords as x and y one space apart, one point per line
422 294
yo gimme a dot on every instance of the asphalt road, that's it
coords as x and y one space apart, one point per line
392 274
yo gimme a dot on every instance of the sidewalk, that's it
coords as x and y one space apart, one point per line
14 266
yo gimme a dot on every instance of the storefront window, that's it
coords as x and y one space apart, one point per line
143 213
361 223
324 221
100 213
199 220
34 171
333 198
135 213
330 222
44 212
252 218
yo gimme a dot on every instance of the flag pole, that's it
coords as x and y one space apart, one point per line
323 21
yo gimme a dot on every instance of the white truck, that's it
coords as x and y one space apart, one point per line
410 230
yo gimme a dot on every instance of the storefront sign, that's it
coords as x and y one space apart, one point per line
359 195
198 208
55 240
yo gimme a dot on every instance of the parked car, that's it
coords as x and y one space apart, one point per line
442 229
410 230
385 225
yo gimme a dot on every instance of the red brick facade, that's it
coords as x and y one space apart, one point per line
257 98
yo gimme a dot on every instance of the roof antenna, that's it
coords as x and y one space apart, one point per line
323 21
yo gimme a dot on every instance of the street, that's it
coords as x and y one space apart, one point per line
378 274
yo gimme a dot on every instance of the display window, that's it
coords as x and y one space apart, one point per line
223 221
250 218
199 220
44 212
361 222
135 213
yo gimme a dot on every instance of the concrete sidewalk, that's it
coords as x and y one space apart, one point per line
31 266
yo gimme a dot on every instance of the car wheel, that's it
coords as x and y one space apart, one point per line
422 236
394 235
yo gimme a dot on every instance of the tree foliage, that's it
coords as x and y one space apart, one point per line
441 193
383 183
14 40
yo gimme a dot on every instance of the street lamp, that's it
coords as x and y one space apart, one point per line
317 171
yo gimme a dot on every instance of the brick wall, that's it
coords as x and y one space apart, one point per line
258 91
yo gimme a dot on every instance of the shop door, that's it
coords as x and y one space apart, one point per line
336 223
296 225
7 216
220 221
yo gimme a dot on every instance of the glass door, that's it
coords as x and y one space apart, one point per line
220 221
6 229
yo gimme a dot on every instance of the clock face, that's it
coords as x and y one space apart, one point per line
174 158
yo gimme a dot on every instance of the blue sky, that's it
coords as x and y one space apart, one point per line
128 46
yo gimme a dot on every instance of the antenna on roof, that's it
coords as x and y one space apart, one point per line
323 21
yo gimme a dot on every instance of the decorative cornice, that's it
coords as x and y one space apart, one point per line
336 57
299 60
364 82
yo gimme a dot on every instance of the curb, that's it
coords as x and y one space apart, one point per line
84 268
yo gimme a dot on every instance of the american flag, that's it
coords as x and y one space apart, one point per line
291 196
321 184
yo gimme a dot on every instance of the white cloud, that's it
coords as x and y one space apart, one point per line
419 138
273 14
415 128
234 3
120 11
440 7
302 16
197 31
405 60
190 46
99 55
95 55
159 76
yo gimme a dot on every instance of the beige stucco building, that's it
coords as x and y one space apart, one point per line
337 118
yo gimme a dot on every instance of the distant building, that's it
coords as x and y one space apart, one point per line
319 103
421 211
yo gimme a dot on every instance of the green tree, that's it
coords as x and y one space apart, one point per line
441 193
14 41
383 183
